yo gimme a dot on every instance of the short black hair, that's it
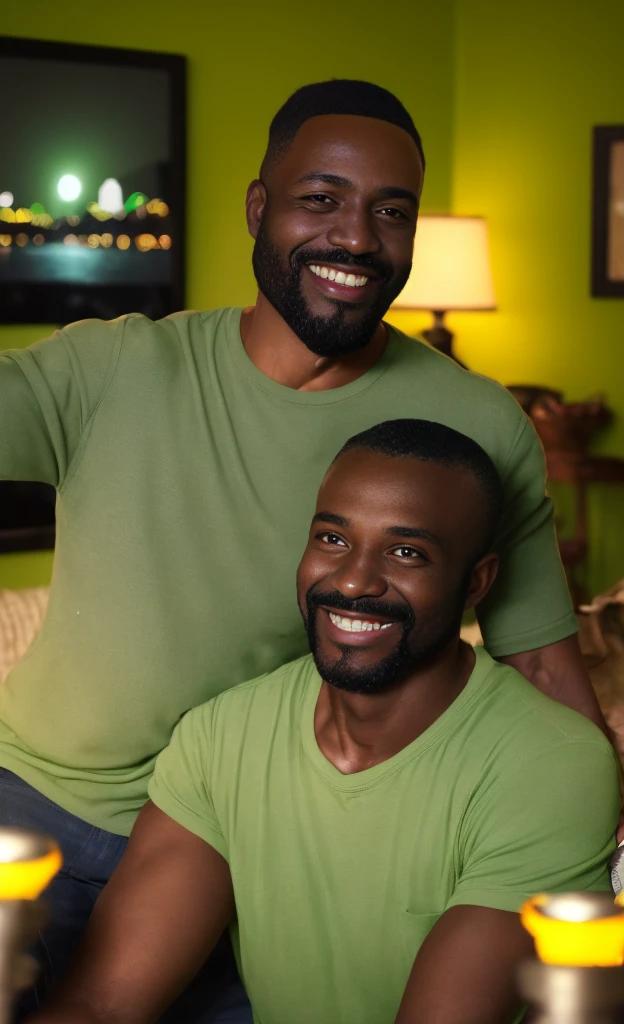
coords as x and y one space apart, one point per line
338 96
435 442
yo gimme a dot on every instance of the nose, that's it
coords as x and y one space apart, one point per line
354 230
359 576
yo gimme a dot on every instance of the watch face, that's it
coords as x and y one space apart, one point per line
617 870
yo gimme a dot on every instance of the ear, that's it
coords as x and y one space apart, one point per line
254 206
482 578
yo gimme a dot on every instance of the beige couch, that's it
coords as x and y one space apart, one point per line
21 615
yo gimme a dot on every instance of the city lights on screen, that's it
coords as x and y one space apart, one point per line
110 207
69 188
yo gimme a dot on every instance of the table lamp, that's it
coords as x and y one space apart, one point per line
450 271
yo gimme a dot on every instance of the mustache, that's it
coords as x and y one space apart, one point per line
364 262
360 606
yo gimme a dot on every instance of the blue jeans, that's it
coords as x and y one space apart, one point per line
90 855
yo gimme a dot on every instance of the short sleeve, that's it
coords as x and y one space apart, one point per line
48 395
546 827
529 605
180 785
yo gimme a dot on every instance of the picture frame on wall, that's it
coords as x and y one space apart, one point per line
92 206
607 269
92 182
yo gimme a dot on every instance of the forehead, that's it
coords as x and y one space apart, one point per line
354 147
372 491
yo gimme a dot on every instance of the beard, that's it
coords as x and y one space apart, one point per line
335 335
418 646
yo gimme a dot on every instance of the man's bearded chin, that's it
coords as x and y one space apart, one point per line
411 654
331 336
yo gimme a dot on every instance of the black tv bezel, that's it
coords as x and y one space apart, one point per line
175 66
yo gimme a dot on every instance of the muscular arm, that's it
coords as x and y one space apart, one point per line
153 927
558 671
465 971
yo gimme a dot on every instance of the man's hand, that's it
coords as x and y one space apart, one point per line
152 928
465 970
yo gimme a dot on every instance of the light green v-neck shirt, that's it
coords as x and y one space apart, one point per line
339 878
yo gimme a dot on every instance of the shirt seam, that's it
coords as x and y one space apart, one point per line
161 781
308 405
16 362
536 630
86 430
523 424
568 741
393 769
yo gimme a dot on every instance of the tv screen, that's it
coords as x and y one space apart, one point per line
92 174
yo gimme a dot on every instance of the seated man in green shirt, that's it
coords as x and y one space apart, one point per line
367 819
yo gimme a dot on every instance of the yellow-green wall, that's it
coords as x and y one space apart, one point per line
245 58
532 77
505 96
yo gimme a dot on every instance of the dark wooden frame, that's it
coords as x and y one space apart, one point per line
41 536
36 530
175 66
602 286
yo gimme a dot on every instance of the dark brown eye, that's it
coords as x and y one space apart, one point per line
408 554
330 538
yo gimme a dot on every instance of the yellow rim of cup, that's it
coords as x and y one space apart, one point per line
595 943
26 879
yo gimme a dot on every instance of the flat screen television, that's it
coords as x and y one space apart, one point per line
92 176
92 204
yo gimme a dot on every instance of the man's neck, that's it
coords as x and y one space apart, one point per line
278 353
358 731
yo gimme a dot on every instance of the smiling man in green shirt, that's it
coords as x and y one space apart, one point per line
186 456
370 819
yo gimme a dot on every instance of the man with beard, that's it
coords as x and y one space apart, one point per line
186 455
349 813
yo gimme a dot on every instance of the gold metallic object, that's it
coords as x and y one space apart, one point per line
579 938
28 862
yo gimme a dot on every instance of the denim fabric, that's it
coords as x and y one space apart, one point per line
90 855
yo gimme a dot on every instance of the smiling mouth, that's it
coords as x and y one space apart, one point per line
339 276
358 625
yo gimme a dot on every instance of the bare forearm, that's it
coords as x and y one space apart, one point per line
465 970
558 671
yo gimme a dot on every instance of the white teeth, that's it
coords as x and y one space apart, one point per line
350 280
356 625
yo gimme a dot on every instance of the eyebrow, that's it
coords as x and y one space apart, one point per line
331 517
406 532
387 192
327 179
393 192
413 533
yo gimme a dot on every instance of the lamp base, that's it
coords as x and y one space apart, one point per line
441 338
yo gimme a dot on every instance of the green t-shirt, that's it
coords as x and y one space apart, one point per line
186 483
339 878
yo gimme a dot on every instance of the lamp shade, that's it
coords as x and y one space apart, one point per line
451 266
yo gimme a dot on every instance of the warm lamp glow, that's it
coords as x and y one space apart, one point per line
451 267
583 929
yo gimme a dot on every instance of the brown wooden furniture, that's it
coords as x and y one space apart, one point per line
578 469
